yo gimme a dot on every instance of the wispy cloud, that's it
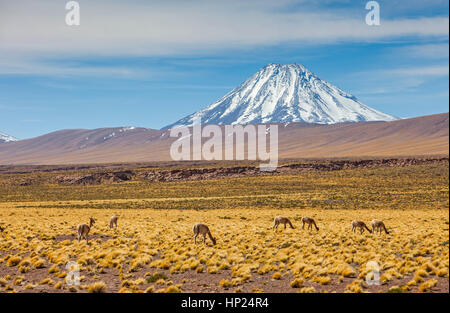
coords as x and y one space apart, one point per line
32 121
429 51
28 66
177 27
31 32
440 70
396 80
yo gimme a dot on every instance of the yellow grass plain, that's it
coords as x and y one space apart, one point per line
153 249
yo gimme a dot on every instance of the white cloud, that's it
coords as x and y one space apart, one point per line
419 71
433 51
32 32
177 27
24 65
396 80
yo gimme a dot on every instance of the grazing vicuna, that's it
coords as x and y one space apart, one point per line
310 222
113 222
83 230
281 220
378 226
203 230
361 225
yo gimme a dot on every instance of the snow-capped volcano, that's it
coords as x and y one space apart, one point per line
285 93
6 138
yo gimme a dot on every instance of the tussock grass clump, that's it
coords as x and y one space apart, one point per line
38 262
225 283
355 286
345 270
442 272
323 280
395 289
173 289
428 285
53 269
23 269
98 287
47 281
296 283
18 280
276 275
29 286
307 290
152 278
13 260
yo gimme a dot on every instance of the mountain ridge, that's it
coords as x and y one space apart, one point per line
426 135
6 138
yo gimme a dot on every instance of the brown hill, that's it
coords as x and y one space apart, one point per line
427 135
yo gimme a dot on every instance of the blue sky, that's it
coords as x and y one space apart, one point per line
150 63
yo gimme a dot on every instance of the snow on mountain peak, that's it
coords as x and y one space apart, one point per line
6 138
285 93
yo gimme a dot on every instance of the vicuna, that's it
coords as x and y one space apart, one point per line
203 230
378 226
113 222
361 225
310 222
83 230
281 220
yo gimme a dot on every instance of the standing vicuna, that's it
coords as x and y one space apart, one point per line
113 222
310 222
281 220
83 230
203 230
361 225
378 226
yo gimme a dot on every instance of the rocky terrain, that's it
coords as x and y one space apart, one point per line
204 173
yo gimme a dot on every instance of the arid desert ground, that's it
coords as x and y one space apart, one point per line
153 250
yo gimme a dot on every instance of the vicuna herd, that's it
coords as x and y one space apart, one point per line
377 226
202 229
84 229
